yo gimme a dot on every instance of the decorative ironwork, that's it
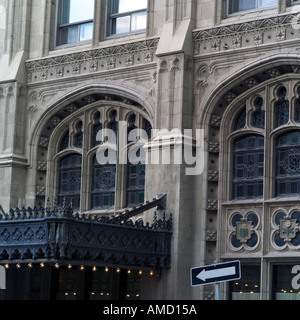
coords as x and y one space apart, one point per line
59 235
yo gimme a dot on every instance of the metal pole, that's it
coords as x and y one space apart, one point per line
217 288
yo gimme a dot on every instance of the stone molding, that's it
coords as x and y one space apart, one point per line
91 61
246 34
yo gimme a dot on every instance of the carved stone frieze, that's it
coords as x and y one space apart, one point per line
247 34
101 59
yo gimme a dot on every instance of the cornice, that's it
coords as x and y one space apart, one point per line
91 61
246 34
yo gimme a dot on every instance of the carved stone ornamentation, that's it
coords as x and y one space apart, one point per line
92 61
286 230
243 231
245 34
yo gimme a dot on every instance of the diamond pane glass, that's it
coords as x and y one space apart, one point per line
248 167
288 164
70 180
103 185
135 184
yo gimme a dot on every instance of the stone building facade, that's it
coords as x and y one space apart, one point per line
228 67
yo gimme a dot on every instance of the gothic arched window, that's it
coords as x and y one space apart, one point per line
91 183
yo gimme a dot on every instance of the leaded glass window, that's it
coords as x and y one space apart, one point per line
248 167
135 184
103 185
64 144
288 164
297 110
258 117
282 107
78 139
240 120
70 180
83 134
97 127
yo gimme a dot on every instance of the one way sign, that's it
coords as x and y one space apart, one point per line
220 272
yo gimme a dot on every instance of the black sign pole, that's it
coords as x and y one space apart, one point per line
217 287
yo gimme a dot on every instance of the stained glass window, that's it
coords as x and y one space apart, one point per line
78 139
97 127
70 180
282 107
64 144
103 185
248 167
288 164
297 110
258 116
100 178
240 120
135 184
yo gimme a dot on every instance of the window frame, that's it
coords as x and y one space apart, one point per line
110 16
228 15
288 179
255 181
59 25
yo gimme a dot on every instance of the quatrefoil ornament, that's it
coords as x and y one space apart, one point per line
244 234
286 233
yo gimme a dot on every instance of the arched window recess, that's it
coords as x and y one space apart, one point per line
83 153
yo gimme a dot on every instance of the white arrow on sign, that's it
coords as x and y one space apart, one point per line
209 274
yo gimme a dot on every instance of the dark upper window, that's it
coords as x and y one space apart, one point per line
81 144
135 184
243 5
126 16
104 183
74 21
288 164
70 180
240 120
248 167
258 116
282 108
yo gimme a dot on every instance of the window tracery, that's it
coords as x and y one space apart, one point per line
81 179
